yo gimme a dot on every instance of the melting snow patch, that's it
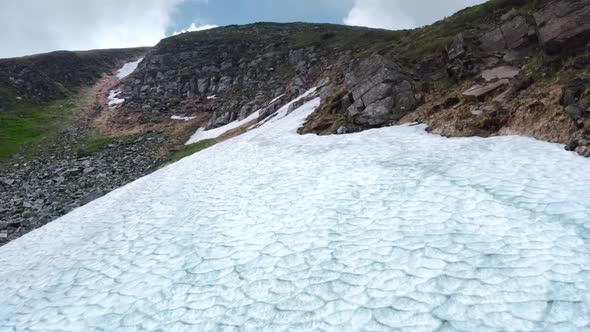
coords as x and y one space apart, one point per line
283 111
182 118
202 134
128 69
276 99
113 100
387 229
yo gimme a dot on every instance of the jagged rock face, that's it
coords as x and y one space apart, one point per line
564 25
380 92
457 66
457 48
514 33
243 67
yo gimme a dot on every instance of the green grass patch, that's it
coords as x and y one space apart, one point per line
192 149
471 21
94 144
30 128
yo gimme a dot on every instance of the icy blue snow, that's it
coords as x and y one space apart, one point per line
386 229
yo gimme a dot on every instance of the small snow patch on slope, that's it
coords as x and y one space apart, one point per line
128 69
182 118
276 99
202 134
113 100
283 111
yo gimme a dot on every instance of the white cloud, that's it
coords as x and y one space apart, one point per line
403 14
34 26
385 14
193 27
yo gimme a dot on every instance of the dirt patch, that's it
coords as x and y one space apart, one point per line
535 112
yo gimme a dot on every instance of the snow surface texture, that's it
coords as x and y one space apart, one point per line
203 134
388 228
128 69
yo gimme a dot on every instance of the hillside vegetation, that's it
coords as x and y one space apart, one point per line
40 94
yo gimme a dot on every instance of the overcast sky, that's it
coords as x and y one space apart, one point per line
35 26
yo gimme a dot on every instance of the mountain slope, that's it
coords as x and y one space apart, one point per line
385 229
40 94
506 67
484 71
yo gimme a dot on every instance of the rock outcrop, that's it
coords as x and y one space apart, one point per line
571 101
564 25
514 33
232 71
480 91
380 93
501 72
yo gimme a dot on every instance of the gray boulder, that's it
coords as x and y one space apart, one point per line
493 41
572 91
203 85
576 111
380 92
564 25
571 94
246 110
375 114
581 146
457 48
342 130
500 73
431 68
514 33
480 91
221 119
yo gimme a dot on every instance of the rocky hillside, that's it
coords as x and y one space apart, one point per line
52 158
504 67
233 71
45 77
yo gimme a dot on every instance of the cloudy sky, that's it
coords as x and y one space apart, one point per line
34 26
